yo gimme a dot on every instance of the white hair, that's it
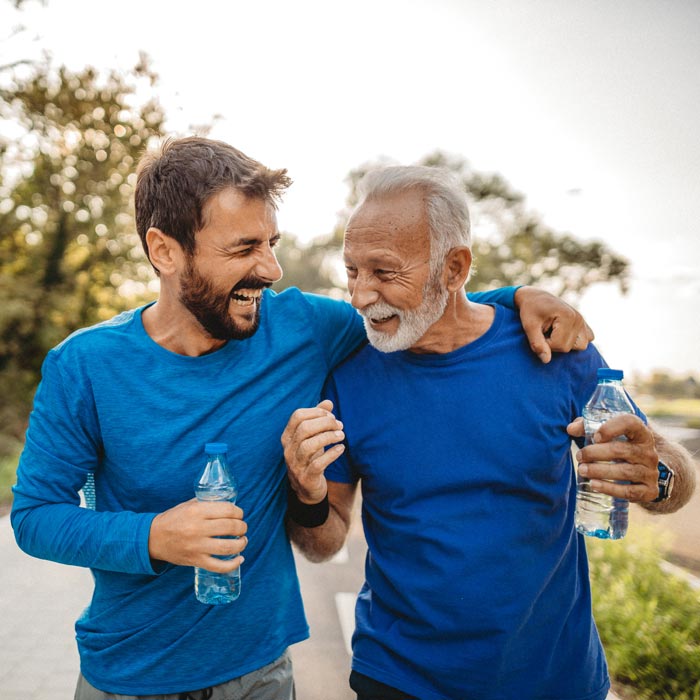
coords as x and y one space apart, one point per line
445 204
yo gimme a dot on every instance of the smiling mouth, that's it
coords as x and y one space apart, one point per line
381 321
246 297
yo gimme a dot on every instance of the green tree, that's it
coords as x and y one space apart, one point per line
512 245
69 254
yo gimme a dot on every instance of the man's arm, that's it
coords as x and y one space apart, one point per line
61 448
550 324
635 461
305 439
320 543
681 462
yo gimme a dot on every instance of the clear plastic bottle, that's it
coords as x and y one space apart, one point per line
216 483
597 514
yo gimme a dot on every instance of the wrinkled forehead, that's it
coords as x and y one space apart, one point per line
390 221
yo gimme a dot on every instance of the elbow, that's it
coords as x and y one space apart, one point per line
18 521
315 546
318 555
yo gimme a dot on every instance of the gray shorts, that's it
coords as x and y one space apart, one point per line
272 682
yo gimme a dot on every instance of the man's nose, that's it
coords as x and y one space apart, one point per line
362 292
268 268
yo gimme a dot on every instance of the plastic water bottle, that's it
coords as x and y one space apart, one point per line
216 483
597 514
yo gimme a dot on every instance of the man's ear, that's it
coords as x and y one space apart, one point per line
457 266
163 251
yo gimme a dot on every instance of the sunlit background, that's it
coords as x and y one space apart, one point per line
588 109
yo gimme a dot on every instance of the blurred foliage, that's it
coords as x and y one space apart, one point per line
310 266
664 385
512 245
69 253
647 618
683 408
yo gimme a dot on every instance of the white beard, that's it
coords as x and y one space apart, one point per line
413 324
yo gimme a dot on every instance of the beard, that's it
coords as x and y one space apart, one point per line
413 324
211 307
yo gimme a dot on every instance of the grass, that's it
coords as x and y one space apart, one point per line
686 409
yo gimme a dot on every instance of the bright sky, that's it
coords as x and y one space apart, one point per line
588 108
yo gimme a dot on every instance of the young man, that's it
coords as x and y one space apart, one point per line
476 581
132 402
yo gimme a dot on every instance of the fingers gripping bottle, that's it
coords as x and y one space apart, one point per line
216 483
597 514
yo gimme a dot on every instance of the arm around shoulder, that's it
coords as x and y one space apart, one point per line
320 543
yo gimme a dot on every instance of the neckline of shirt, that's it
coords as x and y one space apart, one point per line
211 358
446 358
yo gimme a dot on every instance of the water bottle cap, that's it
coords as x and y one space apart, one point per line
607 373
215 448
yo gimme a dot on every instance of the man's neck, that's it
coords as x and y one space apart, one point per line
170 325
462 323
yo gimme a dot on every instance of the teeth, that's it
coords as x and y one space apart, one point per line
246 297
254 293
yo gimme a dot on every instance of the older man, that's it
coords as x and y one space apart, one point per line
476 581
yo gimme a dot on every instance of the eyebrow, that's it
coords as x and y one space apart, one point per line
241 242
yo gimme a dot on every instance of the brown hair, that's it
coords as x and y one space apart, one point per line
174 185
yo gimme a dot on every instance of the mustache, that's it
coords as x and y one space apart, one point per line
251 282
379 310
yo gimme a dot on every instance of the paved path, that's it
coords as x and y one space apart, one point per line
39 601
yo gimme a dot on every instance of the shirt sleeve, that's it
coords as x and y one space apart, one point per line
62 446
503 296
339 328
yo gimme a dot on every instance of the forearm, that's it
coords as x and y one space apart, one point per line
69 534
683 465
322 542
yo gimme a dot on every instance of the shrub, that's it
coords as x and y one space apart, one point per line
648 619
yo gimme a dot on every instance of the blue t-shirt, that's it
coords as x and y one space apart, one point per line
476 582
114 404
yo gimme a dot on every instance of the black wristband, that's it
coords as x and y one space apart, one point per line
307 514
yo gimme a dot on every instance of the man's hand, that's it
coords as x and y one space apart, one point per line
635 459
308 432
550 324
195 533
